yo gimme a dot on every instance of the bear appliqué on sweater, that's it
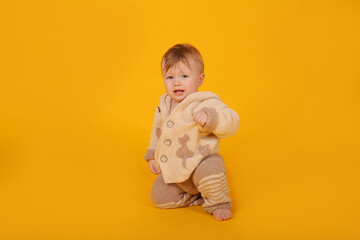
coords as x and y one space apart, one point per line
184 152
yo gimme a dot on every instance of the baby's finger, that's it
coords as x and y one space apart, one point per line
156 171
152 169
197 114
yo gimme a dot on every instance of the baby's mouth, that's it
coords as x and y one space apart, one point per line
178 92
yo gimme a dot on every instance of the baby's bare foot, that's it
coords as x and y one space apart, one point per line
222 214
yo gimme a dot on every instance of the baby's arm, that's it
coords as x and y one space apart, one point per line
221 120
154 138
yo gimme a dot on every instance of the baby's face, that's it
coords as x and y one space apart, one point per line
180 80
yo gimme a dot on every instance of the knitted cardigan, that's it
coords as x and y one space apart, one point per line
178 143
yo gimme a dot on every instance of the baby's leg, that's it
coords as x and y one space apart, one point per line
210 179
165 195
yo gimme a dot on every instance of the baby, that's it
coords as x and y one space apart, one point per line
184 143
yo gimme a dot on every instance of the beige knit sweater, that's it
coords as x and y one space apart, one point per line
178 143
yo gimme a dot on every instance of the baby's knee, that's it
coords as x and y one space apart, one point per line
163 194
157 196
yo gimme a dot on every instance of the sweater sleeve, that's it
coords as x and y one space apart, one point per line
155 135
222 120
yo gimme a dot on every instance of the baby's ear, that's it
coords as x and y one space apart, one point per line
201 79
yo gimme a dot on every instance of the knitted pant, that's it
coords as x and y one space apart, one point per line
207 186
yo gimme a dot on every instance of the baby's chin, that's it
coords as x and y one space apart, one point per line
177 99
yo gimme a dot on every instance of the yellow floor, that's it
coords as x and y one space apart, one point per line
95 190
79 83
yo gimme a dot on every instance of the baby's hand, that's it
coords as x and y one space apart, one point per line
153 168
200 117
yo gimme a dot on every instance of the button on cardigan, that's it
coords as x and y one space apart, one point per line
178 143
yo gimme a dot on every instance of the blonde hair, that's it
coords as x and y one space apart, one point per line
181 52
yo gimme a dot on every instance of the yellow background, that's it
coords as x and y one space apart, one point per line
79 84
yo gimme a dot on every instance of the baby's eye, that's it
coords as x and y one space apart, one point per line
169 77
184 76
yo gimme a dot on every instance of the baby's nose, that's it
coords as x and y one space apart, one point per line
177 81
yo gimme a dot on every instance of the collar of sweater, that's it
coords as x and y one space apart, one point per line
165 100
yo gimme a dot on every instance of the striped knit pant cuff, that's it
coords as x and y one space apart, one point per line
215 191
